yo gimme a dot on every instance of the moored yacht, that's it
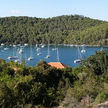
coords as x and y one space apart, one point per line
30 58
31 54
38 54
11 57
2 44
48 55
77 61
79 57
83 48
20 51
6 48
25 44
43 45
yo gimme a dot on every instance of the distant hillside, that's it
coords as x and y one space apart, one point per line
63 29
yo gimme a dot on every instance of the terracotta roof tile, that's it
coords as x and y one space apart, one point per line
57 65
15 69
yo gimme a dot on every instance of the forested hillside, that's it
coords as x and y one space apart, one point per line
63 29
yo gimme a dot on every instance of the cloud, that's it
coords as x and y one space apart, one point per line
15 12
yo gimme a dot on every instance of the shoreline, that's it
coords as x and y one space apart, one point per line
71 45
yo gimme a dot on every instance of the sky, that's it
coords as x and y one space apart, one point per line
96 9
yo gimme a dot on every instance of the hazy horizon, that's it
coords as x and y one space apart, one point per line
94 9
54 16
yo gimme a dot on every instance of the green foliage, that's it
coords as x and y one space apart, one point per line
91 84
6 96
101 97
44 86
37 86
98 62
73 29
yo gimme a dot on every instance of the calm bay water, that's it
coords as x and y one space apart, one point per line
67 54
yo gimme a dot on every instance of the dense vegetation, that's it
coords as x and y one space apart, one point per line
73 29
43 86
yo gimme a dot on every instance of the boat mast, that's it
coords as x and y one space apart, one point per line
31 52
58 59
48 48
79 54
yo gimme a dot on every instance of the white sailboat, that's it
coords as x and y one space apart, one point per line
38 54
18 60
48 55
20 51
43 45
79 57
31 54
26 44
12 57
53 49
58 59
36 45
5 48
101 49
19 57
77 61
37 49
2 44
30 58
14 45
83 49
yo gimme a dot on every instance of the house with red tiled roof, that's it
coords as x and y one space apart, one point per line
15 69
57 65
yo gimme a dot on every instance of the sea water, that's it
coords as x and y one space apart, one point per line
67 54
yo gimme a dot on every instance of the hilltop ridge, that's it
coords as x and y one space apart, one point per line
66 29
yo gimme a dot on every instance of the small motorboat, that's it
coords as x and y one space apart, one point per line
30 58
77 61
48 56
11 57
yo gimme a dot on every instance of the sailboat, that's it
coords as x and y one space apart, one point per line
19 56
26 44
58 55
83 49
53 49
12 57
18 60
2 44
48 55
30 58
38 53
37 47
101 49
31 54
14 45
5 48
20 51
79 57
43 45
